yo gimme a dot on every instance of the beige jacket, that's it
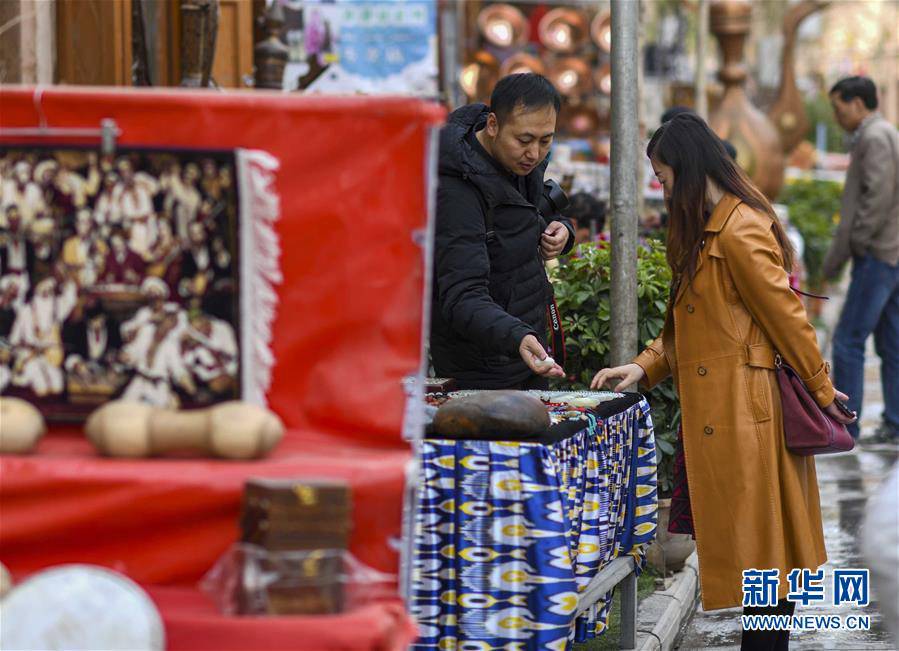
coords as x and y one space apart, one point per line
869 213
755 505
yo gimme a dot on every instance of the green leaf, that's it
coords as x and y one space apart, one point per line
665 446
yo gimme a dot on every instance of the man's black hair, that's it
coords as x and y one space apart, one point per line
673 111
852 87
585 208
527 90
93 310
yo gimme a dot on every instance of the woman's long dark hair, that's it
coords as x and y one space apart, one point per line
692 150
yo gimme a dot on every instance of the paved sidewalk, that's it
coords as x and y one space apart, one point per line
846 482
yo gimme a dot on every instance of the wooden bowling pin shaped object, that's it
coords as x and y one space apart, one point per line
231 430
21 426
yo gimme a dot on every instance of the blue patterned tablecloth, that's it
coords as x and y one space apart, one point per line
509 533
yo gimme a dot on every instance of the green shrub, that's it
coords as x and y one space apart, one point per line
583 296
814 211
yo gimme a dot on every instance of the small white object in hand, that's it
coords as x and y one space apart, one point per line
548 360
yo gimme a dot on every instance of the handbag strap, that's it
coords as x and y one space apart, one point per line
819 297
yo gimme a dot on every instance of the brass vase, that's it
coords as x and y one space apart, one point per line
788 113
756 139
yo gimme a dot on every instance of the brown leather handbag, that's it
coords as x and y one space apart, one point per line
808 429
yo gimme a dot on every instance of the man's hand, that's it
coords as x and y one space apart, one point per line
553 240
535 357
626 375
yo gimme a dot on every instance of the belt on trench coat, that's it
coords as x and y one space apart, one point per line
764 356
760 356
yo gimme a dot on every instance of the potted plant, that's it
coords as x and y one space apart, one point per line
582 288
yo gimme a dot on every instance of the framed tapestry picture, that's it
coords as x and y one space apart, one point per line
143 275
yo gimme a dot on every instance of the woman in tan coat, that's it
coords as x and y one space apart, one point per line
754 504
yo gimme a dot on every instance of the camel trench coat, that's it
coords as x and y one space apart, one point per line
755 505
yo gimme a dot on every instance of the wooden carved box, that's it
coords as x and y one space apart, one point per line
300 530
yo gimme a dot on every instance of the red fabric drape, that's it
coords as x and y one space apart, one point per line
347 330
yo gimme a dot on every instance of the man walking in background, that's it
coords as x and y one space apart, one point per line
869 234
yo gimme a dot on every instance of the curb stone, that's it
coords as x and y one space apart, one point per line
662 615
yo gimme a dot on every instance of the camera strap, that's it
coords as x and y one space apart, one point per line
557 343
488 221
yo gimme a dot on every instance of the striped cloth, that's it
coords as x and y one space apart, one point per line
510 533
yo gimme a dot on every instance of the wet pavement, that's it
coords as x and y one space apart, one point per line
845 482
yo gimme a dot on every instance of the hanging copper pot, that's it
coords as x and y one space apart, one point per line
601 31
522 62
603 79
563 30
479 76
504 26
572 76
582 120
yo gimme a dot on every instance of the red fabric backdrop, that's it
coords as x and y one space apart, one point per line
347 330
352 193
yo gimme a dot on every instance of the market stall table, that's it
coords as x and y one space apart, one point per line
511 533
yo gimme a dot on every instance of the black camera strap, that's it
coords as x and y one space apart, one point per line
557 345
488 220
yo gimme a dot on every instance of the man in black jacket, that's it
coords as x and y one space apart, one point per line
488 321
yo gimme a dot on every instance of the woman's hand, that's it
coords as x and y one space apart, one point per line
836 413
626 375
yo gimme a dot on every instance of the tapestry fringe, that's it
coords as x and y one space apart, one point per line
260 269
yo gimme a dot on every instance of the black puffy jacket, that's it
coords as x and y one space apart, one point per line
486 297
